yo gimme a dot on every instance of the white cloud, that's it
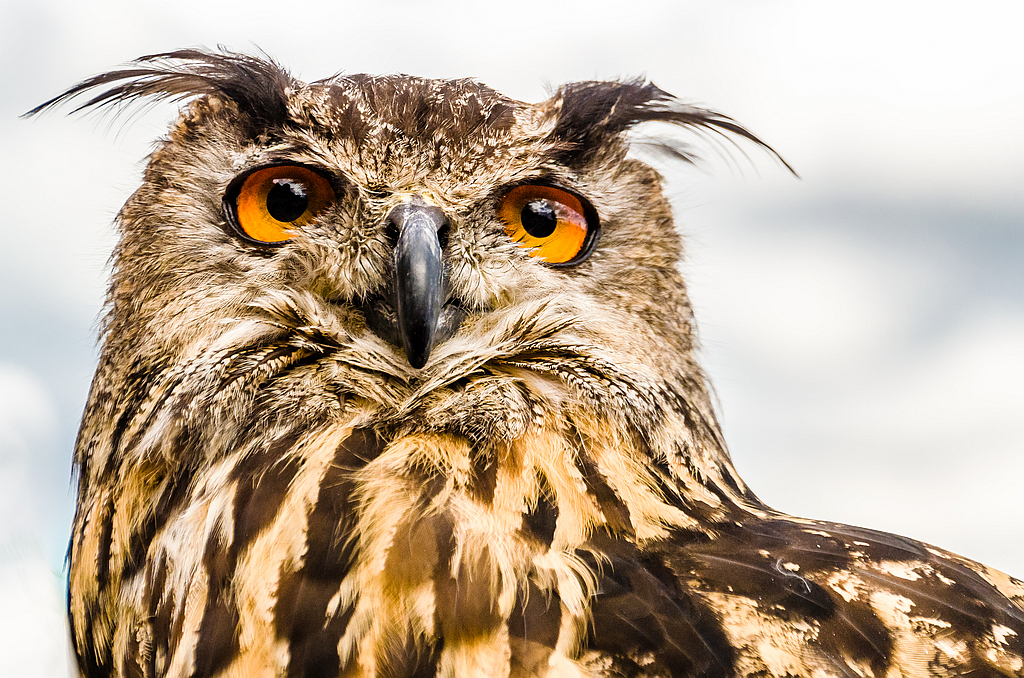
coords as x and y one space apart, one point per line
803 303
26 410
33 629
27 420
34 640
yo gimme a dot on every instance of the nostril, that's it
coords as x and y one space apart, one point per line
442 235
391 232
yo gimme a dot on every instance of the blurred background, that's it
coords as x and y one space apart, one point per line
863 325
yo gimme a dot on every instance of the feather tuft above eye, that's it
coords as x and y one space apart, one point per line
258 86
591 114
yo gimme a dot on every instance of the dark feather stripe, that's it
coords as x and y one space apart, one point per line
301 612
465 604
485 476
94 659
533 629
172 493
409 658
143 375
539 523
217 641
856 631
263 479
647 622
160 605
138 555
103 555
727 511
132 659
615 511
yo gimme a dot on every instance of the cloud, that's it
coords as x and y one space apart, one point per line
27 421
33 626
34 640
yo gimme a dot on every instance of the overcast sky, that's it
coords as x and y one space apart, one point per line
863 325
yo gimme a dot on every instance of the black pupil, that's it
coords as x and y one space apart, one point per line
287 200
539 218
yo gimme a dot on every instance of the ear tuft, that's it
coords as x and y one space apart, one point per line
592 114
257 86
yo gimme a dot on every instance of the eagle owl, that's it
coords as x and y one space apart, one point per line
398 379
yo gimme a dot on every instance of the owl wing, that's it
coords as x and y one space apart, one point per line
786 596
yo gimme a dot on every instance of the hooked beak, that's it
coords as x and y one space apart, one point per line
419 277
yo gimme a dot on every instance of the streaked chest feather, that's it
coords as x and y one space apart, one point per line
339 550
339 553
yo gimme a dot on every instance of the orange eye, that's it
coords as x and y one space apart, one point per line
549 221
271 201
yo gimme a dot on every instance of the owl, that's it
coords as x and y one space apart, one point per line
398 378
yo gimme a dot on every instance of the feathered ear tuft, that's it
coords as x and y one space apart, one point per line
257 86
588 115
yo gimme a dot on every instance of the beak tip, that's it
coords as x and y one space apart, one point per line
417 353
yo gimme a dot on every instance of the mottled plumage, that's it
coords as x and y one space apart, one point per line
269 487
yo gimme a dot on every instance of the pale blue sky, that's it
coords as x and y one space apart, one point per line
864 325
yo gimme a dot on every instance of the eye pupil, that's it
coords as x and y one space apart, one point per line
539 218
287 200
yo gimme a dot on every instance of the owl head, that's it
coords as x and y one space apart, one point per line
430 253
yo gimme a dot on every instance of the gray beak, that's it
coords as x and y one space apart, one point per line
419 277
